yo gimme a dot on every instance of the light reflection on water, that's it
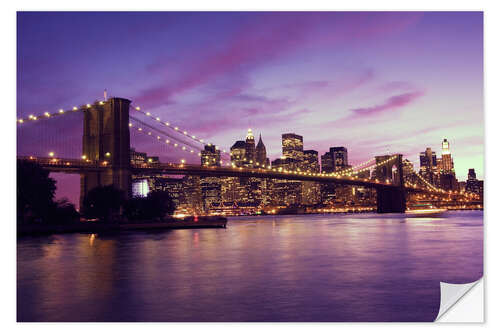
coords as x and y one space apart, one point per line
290 268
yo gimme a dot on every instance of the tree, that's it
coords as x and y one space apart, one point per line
35 191
161 203
103 202
62 212
156 205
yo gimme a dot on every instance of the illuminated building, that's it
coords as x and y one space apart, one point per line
311 191
174 187
445 168
292 146
447 161
140 188
339 157
250 147
210 186
210 192
137 158
334 160
428 166
327 163
428 160
238 153
210 156
310 161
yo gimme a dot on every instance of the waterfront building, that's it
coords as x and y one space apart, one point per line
140 187
210 192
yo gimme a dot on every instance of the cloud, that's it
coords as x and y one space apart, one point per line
392 103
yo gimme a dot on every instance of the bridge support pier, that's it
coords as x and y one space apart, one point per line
393 200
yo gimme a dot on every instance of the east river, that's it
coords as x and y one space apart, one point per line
356 267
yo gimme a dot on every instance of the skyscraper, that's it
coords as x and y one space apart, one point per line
471 174
327 163
428 160
473 184
310 162
446 160
260 152
428 166
339 157
250 147
292 146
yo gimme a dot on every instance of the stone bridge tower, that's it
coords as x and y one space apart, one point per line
106 138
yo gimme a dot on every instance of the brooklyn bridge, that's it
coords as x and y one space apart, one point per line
106 148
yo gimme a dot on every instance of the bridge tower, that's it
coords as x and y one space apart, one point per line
393 200
106 139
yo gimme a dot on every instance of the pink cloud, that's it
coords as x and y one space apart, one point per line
392 103
261 40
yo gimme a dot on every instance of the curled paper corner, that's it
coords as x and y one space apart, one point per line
452 295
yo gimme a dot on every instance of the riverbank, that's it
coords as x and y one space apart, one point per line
96 227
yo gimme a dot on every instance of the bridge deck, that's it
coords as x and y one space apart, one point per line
66 165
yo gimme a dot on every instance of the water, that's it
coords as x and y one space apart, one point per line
290 268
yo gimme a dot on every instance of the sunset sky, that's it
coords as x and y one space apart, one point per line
372 82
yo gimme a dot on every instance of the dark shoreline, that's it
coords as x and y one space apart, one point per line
95 227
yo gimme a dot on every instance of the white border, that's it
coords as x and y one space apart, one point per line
492 86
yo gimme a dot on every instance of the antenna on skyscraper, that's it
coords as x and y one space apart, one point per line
105 95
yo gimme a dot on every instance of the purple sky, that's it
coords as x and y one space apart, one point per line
372 82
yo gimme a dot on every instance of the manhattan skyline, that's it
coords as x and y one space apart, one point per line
372 82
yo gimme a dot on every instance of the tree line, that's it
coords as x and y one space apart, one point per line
36 201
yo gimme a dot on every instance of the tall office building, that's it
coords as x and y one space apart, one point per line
311 191
260 153
339 157
210 156
327 163
428 160
473 184
471 174
292 146
250 147
446 160
310 161
428 166
238 153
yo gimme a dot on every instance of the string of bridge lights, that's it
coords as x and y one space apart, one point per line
47 115
351 170
162 139
175 128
